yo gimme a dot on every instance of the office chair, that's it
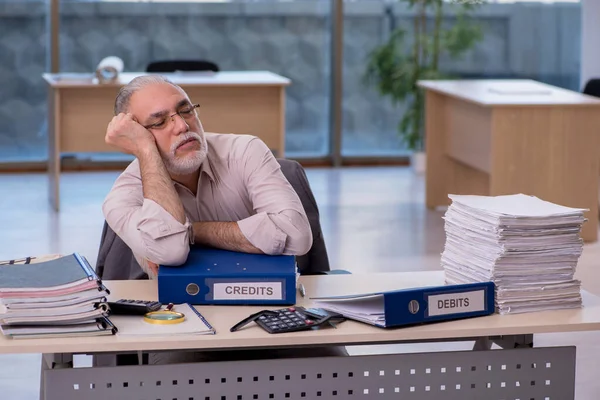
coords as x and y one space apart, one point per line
181 65
592 88
116 261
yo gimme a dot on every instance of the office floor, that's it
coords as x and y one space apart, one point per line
374 220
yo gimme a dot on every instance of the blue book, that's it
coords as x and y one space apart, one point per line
215 276
413 306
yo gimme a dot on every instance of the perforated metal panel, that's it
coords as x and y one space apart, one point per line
516 374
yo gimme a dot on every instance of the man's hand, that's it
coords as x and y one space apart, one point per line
153 268
131 137
127 134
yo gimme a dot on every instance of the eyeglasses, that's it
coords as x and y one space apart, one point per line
187 112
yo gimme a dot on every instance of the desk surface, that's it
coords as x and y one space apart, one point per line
348 333
507 92
223 78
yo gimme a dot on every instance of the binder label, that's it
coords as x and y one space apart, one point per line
456 303
248 291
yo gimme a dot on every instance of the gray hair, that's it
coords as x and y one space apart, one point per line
125 93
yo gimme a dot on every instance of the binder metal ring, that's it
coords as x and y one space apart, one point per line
192 289
413 306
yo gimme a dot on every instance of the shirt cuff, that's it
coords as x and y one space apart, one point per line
158 223
263 233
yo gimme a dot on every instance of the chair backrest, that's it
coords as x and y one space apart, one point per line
181 65
592 88
116 261
316 260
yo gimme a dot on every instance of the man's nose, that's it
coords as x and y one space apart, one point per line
180 125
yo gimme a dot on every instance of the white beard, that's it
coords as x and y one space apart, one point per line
189 163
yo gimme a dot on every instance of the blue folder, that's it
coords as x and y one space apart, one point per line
215 276
415 305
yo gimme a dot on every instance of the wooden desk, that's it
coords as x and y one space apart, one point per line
494 137
348 333
447 374
79 110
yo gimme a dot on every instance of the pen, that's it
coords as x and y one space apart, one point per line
302 290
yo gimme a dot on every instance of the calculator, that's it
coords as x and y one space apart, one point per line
291 319
133 307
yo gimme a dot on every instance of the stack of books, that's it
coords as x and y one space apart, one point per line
528 247
53 297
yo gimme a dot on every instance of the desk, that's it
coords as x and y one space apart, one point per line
494 137
436 375
79 110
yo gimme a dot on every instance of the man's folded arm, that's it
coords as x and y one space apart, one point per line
146 212
282 232
150 232
280 225
266 233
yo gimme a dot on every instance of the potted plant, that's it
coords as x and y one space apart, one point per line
396 66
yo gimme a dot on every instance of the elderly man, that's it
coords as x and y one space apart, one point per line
187 186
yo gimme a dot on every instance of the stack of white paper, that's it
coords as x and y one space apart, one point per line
528 247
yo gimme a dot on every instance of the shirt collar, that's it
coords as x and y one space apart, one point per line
207 167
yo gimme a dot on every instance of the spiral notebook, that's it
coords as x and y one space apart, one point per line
194 324
54 276
100 327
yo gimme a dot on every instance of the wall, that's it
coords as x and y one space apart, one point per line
590 32
22 93
539 41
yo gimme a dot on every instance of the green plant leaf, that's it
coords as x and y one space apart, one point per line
462 36
395 67
389 68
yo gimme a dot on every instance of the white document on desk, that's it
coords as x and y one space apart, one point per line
367 308
194 324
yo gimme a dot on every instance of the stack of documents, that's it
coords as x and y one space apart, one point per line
528 247
61 296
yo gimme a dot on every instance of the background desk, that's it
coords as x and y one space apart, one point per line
425 376
494 137
79 110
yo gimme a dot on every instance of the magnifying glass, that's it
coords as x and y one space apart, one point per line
164 317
